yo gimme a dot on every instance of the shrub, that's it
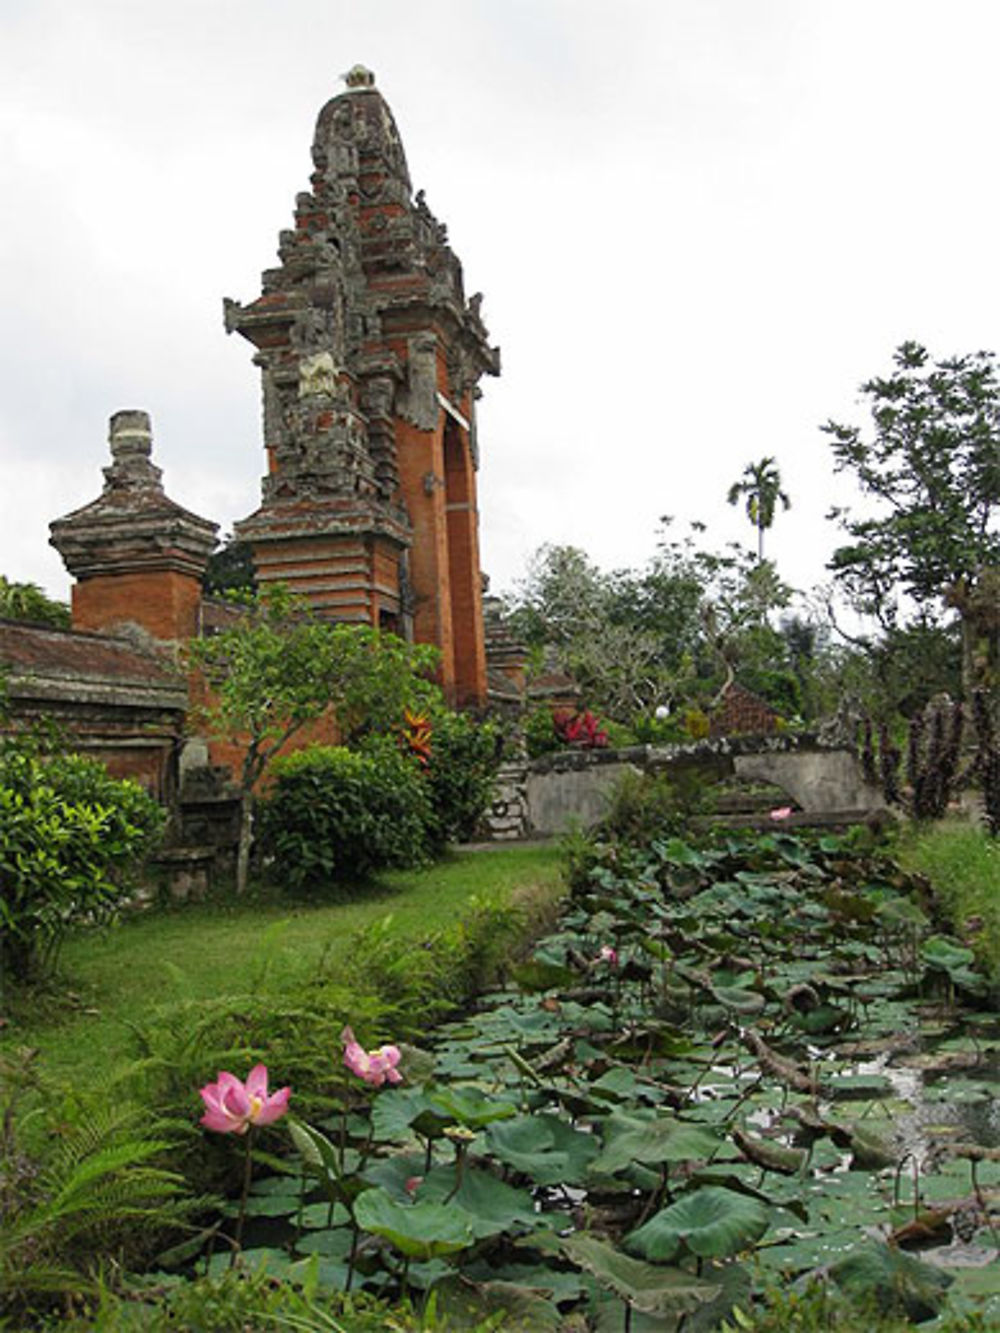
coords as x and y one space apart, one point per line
545 730
695 723
71 838
334 814
446 971
645 806
540 733
652 730
461 771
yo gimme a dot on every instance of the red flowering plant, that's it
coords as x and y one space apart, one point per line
415 736
582 730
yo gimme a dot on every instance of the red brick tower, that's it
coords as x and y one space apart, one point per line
370 356
137 557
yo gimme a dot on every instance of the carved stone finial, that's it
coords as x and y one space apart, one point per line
132 527
358 76
130 433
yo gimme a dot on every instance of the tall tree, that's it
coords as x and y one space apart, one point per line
760 486
278 668
931 464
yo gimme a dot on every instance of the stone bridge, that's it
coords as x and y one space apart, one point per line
570 787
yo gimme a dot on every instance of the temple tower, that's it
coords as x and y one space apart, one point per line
137 557
370 356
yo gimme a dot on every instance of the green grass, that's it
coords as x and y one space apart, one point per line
963 865
232 947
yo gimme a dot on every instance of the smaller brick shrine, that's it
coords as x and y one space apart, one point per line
135 555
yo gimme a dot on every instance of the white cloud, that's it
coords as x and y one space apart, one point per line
697 228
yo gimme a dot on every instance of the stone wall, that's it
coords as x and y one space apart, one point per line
570 787
117 700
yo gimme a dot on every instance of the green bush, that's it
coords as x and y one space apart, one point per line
540 733
240 1299
781 689
652 730
333 814
71 838
462 773
646 806
446 971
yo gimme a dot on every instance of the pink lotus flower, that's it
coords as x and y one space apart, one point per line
782 812
375 1067
232 1107
608 955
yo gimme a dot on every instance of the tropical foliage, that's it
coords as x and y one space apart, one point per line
663 636
27 602
71 840
461 768
334 814
278 668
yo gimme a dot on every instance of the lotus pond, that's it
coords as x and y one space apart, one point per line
733 1067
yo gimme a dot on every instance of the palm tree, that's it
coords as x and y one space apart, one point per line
761 484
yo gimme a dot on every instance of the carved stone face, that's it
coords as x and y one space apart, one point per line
317 375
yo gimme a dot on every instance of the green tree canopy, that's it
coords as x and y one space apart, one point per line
279 667
930 462
668 632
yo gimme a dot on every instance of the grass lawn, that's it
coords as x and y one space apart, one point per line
238 946
963 864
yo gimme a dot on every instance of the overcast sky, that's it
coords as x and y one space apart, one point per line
699 225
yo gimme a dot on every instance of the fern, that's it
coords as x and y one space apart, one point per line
96 1185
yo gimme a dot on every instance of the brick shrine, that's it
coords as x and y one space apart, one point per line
370 356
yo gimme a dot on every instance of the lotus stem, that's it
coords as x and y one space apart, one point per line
352 1255
247 1171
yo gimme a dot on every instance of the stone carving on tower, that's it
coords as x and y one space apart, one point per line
370 357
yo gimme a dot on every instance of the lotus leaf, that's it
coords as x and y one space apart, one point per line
333 1243
665 1139
650 1288
770 1156
327 1273
267 1205
396 1110
418 1230
490 1206
896 1282
544 1147
275 1262
465 1305
746 1002
319 1215
561 1284
710 1222
470 1106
